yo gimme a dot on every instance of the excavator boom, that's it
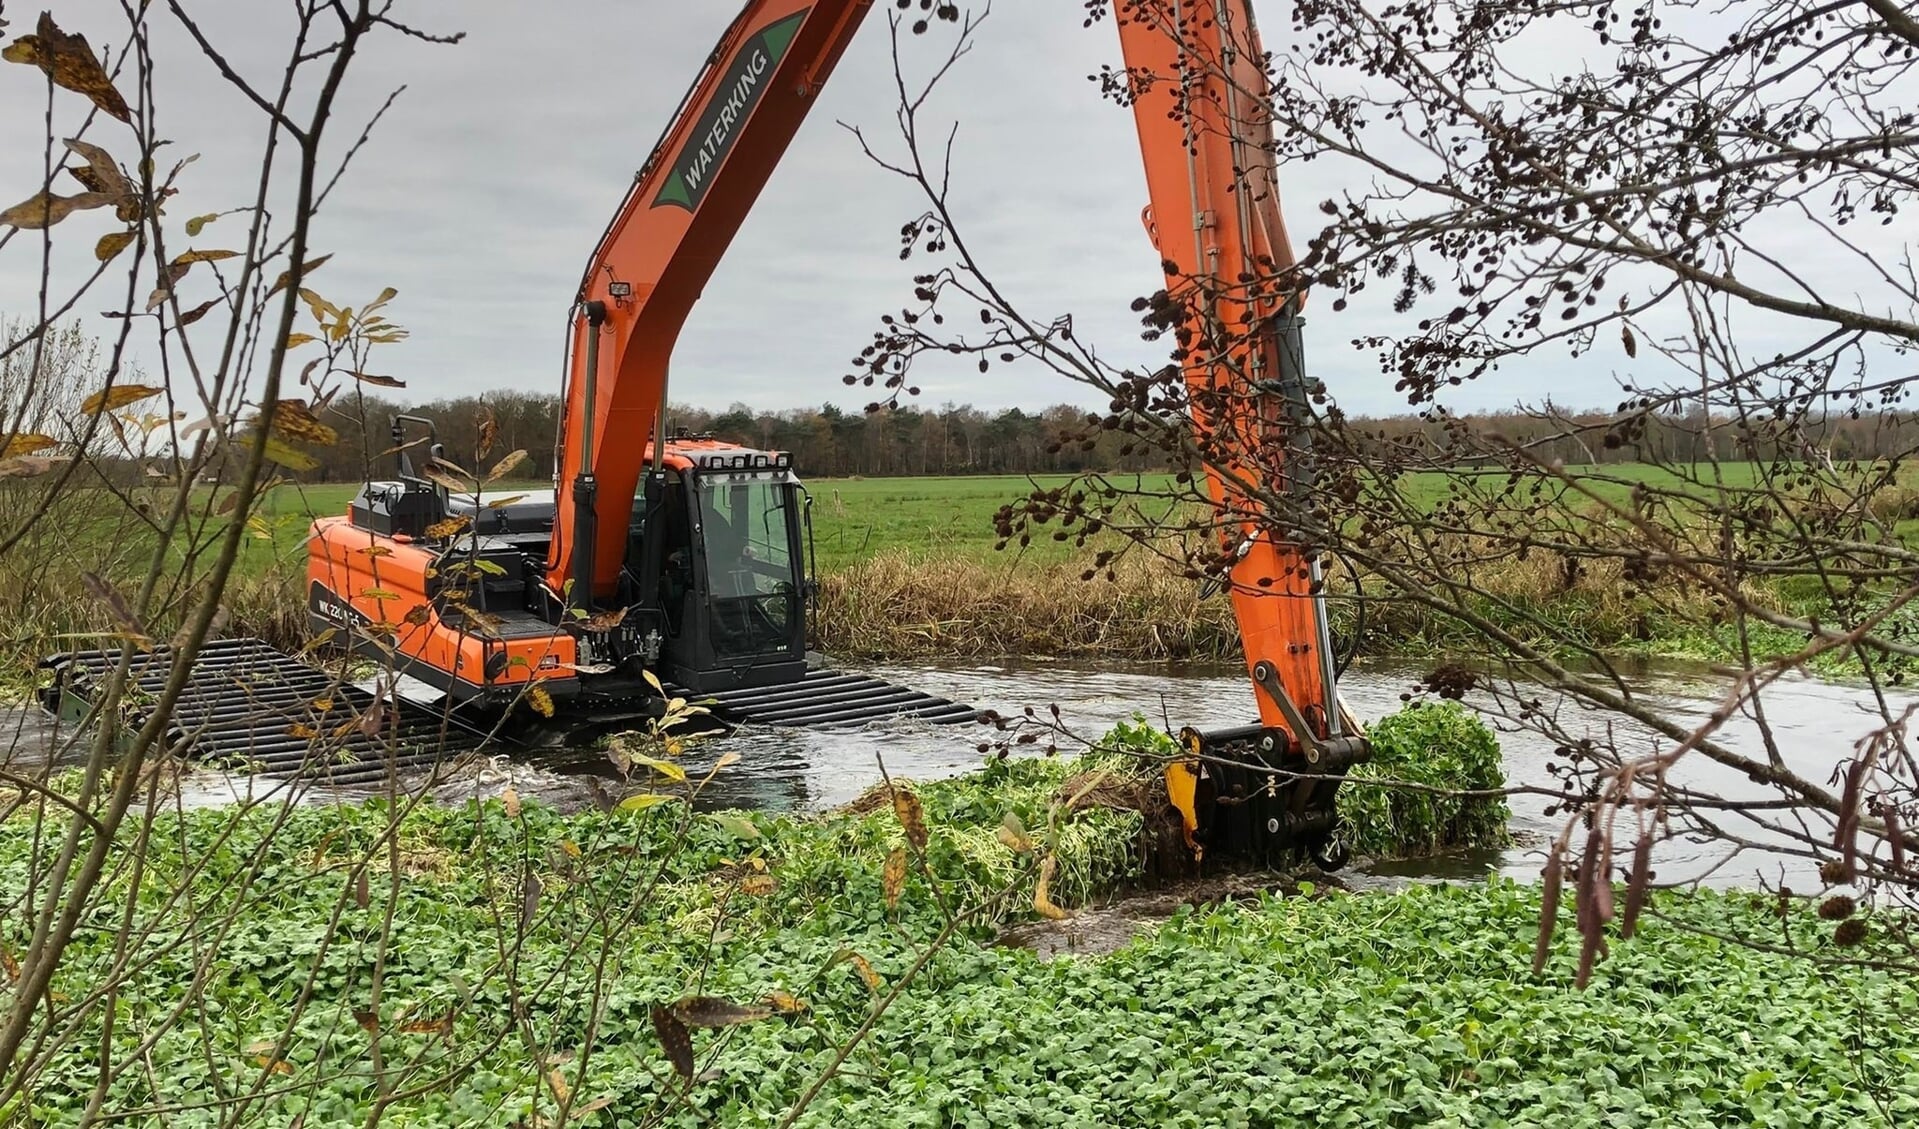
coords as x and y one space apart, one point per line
681 212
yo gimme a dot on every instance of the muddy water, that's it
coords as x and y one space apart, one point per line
803 770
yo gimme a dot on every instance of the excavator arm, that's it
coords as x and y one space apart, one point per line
1196 81
678 217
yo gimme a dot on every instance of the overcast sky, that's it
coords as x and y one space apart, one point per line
481 194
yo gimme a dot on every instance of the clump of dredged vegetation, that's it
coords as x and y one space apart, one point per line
482 964
1431 785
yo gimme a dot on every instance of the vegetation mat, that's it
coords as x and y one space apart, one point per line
490 963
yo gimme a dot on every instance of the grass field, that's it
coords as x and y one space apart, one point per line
858 519
908 568
854 519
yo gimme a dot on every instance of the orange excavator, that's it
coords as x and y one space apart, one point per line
669 565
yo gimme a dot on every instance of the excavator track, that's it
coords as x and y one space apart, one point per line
248 706
829 699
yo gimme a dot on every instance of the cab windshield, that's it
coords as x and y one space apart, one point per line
747 524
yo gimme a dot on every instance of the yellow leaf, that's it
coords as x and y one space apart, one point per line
1012 833
786 1003
1042 900
198 223
379 594
117 397
192 257
893 880
451 527
906 805
505 466
26 444
258 526
111 244
865 969
540 700
276 1065
643 801
511 798
289 456
570 847
302 731
295 340
295 420
759 885
386 295
667 769
561 1092
375 551
44 209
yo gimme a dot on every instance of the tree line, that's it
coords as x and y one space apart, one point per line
834 442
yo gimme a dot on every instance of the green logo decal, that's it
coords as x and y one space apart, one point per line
685 184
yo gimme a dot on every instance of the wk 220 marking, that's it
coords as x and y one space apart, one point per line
718 129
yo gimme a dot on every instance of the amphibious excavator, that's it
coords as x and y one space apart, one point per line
672 565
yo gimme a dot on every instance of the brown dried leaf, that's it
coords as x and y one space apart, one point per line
362 891
375 378
506 465
117 606
604 621
295 420
112 243
530 889
758 885
368 1019
1629 341
276 1065
417 615
906 805
540 700
198 312
674 1039
489 430
448 482
9 964
511 798
712 1011
117 397
561 1091
286 276
893 878
102 172
26 443
70 62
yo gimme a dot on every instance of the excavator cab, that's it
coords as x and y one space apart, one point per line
734 584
